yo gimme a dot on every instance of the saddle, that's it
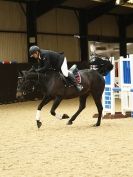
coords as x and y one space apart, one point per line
67 80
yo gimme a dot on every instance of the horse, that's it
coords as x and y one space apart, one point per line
53 87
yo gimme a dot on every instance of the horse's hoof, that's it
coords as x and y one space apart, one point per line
65 116
69 123
96 125
39 124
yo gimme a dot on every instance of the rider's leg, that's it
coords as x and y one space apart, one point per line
67 73
77 85
64 68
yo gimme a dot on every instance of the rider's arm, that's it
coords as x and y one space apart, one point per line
44 66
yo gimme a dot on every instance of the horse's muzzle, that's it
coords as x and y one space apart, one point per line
19 95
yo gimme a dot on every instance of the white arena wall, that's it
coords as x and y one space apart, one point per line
106 25
13 40
50 27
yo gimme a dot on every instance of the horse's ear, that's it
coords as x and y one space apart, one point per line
20 74
24 72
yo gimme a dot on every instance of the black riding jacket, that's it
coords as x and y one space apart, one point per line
50 60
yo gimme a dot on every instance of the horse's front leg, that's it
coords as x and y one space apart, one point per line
56 103
45 100
82 105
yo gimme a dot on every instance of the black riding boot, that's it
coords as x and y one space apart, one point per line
72 78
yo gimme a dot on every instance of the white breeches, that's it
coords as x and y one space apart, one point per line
64 68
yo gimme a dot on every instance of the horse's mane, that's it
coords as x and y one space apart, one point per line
38 75
31 75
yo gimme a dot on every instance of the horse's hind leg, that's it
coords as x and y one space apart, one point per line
98 102
82 100
45 100
56 103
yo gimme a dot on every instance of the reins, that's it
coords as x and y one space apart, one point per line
38 76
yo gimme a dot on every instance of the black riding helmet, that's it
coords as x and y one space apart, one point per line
33 49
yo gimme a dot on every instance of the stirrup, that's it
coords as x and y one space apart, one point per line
79 87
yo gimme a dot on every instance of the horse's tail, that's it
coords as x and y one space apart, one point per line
105 68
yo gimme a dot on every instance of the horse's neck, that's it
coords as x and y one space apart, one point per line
51 74
42 77
33 76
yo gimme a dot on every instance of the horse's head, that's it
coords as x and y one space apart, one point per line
26 84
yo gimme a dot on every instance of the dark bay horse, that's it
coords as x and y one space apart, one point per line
53 88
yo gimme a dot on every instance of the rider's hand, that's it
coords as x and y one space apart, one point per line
36 70
32 69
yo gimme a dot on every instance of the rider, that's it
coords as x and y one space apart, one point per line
49 59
